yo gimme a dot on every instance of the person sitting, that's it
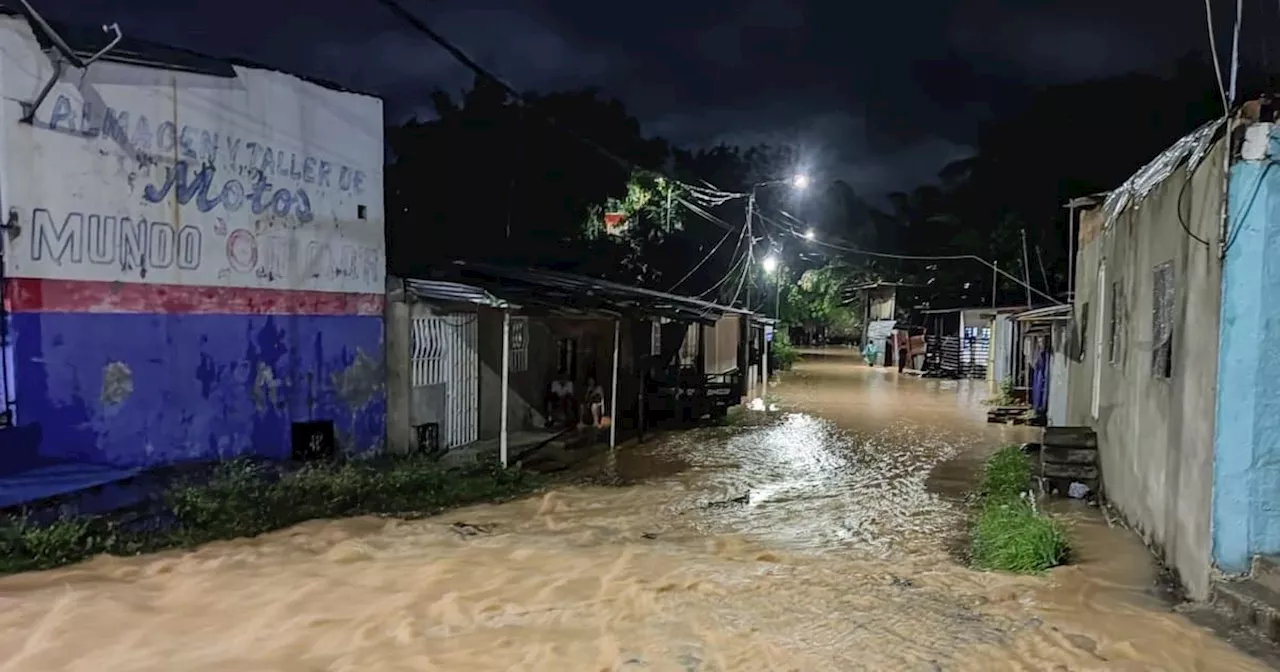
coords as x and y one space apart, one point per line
560 405
594 402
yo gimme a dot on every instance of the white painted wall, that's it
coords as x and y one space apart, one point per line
95 181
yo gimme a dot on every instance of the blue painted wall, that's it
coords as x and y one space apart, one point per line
1246 492
146 390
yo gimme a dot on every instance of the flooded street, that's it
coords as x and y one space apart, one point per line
824 541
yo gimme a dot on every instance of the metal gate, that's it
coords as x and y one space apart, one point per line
444 353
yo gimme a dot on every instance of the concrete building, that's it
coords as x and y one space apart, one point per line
193 257
1148 288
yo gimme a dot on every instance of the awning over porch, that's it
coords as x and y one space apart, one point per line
533 290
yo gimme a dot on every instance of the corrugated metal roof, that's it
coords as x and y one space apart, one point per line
1062 312
560 293
453 292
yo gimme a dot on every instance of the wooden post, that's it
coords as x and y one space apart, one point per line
613 397
506 380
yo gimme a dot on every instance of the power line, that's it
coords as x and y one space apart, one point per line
704 261
734 261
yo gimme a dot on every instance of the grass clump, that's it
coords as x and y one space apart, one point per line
242 498
1006 476
1010 534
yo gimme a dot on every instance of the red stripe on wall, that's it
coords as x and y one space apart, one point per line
31 295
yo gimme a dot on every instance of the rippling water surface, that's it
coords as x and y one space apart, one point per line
823 541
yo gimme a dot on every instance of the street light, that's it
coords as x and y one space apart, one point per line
809 235
800 181
770 264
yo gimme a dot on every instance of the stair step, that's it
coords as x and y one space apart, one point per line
1065 455
1078 472
1266 571
1251 604
1070 437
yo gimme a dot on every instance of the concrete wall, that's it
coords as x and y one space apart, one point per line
197 260
1246 516
1155 434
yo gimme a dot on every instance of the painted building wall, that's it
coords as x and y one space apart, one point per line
1155 433
1246 517
197 263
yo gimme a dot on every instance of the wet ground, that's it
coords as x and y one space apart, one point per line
824 540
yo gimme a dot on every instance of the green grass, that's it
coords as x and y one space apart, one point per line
1006 475
244 499
1009 534
1013 537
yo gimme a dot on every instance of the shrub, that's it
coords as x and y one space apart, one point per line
243 499
785 354
1010 534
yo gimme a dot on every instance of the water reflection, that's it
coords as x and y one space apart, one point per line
820 542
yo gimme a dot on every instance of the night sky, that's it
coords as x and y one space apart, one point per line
886 92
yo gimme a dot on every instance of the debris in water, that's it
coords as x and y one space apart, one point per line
649 535
469 530
736 501
1078 491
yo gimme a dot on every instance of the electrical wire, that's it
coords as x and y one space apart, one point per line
735 260
909 257
1217 63
1182 192
1235 53
704 261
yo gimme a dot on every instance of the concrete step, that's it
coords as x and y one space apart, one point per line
1070 437
1266 571
1064 455
1252 605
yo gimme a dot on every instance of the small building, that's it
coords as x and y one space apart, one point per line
885 304
446 362
193 260
1175 428
1045 335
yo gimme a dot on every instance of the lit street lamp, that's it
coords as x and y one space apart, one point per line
770 264
809 235
800 181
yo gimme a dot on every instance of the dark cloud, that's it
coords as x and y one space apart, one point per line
880 93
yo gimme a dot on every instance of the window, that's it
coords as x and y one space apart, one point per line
1113 336
1163 290
519 344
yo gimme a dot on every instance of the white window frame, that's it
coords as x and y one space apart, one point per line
1100 314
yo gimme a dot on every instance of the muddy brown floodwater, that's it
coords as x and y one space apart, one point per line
823 541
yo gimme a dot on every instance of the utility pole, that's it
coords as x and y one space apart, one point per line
751 245
748 384
995 267
1026 269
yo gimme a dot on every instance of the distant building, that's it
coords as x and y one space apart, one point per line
193 257
1176 347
